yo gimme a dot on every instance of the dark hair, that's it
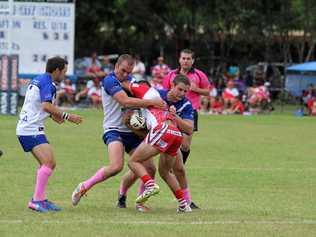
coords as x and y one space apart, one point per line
187 51
126 57
143 82
181 79
55 63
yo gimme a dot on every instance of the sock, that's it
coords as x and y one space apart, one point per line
185 155
187 195
97 178
180 197
123 190
42 175
148 181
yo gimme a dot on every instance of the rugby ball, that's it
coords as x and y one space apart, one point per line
137 120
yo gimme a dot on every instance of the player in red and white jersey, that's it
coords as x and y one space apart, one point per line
153 115
163 137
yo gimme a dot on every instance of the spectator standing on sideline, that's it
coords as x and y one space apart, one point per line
93 61
38 105
139 69
200 85
158 72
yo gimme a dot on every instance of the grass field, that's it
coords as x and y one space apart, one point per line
251 175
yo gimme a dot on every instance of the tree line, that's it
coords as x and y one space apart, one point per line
243 31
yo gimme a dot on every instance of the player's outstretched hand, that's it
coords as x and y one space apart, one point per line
75 118
57 119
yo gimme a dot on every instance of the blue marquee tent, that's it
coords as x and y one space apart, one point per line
299 76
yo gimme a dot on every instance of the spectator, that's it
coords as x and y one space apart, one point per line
207 101
158 72
66 92
107 66
93 60
94 94
312 107
258 97
309 98
308 94
94 71
217 106
139 69
83 94
259 75
248 79
230 95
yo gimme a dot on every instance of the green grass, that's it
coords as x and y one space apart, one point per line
252 176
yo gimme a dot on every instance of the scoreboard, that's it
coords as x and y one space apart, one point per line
36 31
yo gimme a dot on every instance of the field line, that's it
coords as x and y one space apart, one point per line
253 169
219 222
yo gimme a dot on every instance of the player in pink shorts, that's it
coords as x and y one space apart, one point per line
163 137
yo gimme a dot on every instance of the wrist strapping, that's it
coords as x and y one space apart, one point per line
65 116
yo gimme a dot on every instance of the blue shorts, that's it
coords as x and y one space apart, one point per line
128 139
29 142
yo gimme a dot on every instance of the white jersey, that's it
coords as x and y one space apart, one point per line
111 107
32 116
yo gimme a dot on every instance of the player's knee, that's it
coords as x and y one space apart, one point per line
115 169
51 164
185 146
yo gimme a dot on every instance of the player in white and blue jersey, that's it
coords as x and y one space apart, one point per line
175 97
117 136
37 107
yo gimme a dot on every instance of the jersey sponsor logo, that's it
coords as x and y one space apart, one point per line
162 144
173 132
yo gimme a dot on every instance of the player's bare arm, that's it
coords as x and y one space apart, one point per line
199 90
59 115
185 125
131 102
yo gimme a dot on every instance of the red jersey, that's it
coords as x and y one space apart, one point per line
166 138
153 115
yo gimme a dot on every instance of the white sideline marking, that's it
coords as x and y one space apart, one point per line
227 222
